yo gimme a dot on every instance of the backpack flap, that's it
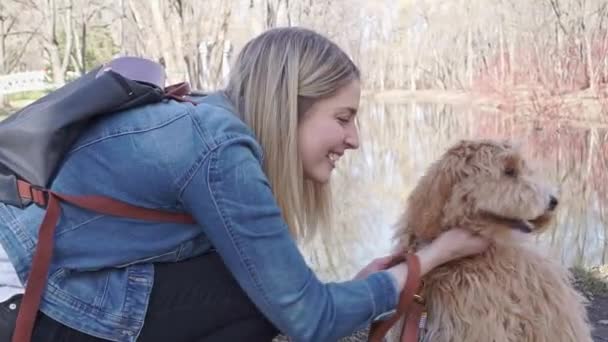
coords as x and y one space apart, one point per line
34 140
9 193
137 69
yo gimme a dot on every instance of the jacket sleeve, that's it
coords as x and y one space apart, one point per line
230 196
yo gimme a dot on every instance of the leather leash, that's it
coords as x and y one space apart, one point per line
411 306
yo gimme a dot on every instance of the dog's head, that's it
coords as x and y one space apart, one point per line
486 186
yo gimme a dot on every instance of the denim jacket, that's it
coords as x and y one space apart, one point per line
202 160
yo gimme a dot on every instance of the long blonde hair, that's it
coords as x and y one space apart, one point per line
276 77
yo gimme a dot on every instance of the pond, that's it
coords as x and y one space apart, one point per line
400 140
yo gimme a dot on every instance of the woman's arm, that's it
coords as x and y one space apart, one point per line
231 198
453 244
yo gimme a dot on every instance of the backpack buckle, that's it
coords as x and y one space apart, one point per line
32 193
39 195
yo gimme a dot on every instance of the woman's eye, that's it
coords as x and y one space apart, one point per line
343 120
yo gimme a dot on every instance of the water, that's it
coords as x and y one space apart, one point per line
400 140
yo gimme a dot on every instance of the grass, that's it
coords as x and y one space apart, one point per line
594 280
20 100
27 95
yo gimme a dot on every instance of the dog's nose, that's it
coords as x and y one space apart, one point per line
553 203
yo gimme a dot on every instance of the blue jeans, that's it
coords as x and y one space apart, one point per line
192 300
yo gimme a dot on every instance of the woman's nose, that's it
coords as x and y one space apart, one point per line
352 137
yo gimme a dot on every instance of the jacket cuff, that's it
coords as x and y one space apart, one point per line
384 293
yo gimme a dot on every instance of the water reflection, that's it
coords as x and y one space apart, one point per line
400 140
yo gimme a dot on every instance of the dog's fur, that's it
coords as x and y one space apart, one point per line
512 292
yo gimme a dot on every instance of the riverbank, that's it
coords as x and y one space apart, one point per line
593 284
584 105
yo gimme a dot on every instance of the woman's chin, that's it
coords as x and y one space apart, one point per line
320 176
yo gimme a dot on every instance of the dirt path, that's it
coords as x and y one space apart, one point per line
598 315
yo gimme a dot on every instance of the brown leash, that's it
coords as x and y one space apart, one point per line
411 306
36 282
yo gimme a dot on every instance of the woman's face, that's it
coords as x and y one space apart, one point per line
326 130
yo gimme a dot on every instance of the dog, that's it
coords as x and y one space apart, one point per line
512 292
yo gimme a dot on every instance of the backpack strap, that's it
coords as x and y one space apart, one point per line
36 282
179 92
410 306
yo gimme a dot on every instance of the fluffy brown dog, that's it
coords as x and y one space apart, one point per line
512 292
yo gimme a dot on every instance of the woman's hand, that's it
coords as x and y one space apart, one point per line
380 264
453 244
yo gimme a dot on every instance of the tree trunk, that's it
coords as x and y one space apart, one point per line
470 56
411 61
3 64
181 73
558 54
512 52
160 26
270 13
83 49
137 20
51 44
502 54
288 12
220 48
589 61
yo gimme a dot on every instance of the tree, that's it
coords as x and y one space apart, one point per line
14 39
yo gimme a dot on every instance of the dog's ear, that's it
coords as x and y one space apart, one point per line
425 204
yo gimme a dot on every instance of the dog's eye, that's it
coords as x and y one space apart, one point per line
511 172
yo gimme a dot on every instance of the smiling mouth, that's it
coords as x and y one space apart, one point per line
333 158
526 226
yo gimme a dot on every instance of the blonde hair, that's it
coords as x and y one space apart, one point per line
276 77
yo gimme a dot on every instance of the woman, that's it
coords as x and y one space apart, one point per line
252 165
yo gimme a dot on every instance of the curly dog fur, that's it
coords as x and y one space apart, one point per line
512 292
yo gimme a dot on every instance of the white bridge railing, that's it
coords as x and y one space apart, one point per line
24 81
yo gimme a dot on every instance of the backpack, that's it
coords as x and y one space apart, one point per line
34 140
